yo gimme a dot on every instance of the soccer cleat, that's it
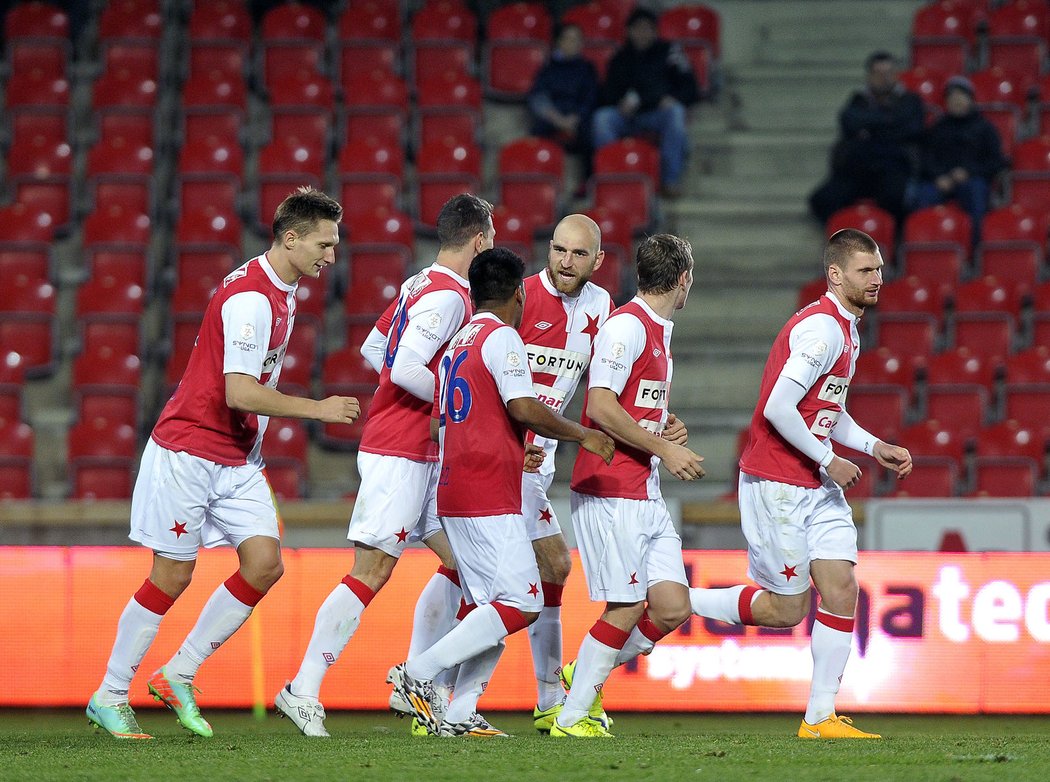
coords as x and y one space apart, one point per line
306 713
418 729
834 727
542 720
419 695
179 698
586 728
118 721
597 711
477 726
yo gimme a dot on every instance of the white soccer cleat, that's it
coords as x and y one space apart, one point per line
424 704
307 713
476 726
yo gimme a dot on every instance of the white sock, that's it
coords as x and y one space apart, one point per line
724 604
136 629
435 610
473 678
594 663
222 616
545 640
830 645
479 631
337 619
636 644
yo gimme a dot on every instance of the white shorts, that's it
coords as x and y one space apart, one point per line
495 560
540 519
626 546
182 502
787 526
395 493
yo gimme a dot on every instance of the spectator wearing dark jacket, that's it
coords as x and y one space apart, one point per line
961 155
564 95
875 156
647 88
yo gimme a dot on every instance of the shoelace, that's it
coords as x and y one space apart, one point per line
127 718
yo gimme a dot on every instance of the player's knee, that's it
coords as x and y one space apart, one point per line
789 610
560 567
530 617
669 617
266 574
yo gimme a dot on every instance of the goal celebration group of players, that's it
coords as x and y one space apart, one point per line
476 362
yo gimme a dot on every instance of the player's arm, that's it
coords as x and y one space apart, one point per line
603 407
374 346
246 394
432 321
852 435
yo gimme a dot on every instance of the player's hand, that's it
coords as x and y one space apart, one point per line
682 463
598 443
534 456
338 410
675 431
893 457
845 473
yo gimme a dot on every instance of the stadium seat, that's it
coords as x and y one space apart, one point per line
886 366
531 173
442 171
205 228
105 297
1030 180
448 108
1012 240
1029 366
996 88
101 479
1027 404
936 244
1017 33
940 38
928 84
190 298
961 406
100 458
49 124
346 371
300 358
346 437
616 272
32 260
626 175
301 107
914 334
133 56
516 43
16 459
220 20
48 57
602 32
36 20
27 321
884 408
514 231
131 19
48 197
39 158
931 476
1042 108
813 290
444 33
963 365
106 370
911 294
35 91
696 28
292 37
368 297
987 334
1010 438
369 38
119 336
375 104
1004 476
381 226
370 175
877 223
282 168
931 438
113 225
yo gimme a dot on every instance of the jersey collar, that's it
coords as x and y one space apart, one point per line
486 315
437 267
845 313
264 262
649 311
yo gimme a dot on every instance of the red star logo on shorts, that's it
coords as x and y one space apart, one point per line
402 535
179 529
591 329
533 589
789 572
634 578
546 515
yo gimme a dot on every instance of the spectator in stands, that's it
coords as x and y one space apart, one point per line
961 155
562 99
876 154
648 86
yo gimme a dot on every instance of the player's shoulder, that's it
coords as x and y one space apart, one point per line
596 295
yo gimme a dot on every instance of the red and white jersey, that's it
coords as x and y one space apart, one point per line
431 307
482 447
817 348
245 330
558 332
632 358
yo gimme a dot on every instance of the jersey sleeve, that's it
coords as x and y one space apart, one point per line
815 344
432 322
246 323
506 359
618 345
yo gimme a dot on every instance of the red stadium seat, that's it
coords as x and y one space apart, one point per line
911 294
207 229
812 291
35 91
885 366
626 175
1043 108
30 260
696 28
110 298
960 406
444 33
987 334
367 298
444 170
48 57
220 20
531 173
347 372
293 21
514 231
193 263
376 105
45 197
884 408
1010 438
131 19
1004 476
987 294
931 438
39 157
343 436
16 459
928 84
1030 181
108 480
1027 404
381 226
602 32
913 335
36 20
282 168
962 365
384 265
936 243
100 458
48 124
113 225
877 223
300 358
370 175
616 274
1029 366
516 45
27 315
105 369
931 476
1017 34
998 88
132 56
448 108
941 38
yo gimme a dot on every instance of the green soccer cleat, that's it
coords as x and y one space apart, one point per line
581 729
542 720
597 711
419 729
118 721
179 698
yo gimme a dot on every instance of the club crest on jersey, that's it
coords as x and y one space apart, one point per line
247 331
236 274
419 282
618 349
543 325
466 336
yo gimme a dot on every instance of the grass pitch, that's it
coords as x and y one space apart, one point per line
59 745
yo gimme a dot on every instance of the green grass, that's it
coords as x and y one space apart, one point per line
59 745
